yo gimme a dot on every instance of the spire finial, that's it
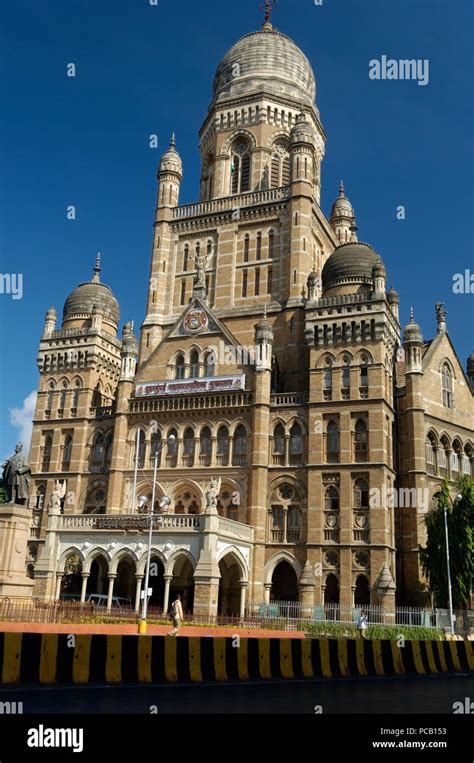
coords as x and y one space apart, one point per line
173 140
353 228
97 269
412 315
342 191
265 310
267 8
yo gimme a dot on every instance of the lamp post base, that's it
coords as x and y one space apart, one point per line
142 627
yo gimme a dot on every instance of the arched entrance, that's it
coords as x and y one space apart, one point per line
124 586
183 582
284 583
229 587
362 592
331 592
97 581
156 583
72 580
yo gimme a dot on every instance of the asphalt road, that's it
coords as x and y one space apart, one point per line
423 695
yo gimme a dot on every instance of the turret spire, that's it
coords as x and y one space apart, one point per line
97 269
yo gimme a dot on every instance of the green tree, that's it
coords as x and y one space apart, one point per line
460 515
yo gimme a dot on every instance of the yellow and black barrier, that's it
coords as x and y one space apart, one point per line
32 658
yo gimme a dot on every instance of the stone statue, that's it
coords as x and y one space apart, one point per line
17 476
57 495
440 312
211 495
201 264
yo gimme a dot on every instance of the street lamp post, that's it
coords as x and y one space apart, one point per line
165 501
450 592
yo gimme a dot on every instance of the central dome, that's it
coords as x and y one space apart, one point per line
265 60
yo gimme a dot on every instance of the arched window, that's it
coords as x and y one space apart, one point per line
361 443
447 383
361 494
280 168
179 373
46 454
239 456
63 398
364 377
271 244
327 380
98 452
296 445
259 246
246 248
186 257
346 378
172 448
75 397
108 452
279 442
331 499
332 442
223 446
155 448
194 365
240 166
50 398
188 447
430 450
67 450
205 447
209 364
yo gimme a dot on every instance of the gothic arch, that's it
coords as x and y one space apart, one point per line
281 556
71 551
361 353
237 556
98 552
239 133
178 554
123 555
321 362
156 553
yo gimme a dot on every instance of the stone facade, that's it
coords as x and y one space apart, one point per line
267 359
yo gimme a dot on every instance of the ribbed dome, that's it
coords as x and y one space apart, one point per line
171 160
265 60
342 207
349 263
412 332
302 132
89 295
129 342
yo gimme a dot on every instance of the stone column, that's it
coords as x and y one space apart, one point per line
111 576
306 590
268 588
59 578
14 532
138 585
243 592
207 573
85 578
166 598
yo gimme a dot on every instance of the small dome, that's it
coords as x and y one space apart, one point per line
265 60
171 160
51 313
92 295
349 263
393 296
412 332
302 132
342 207
129 342
379 269
313 278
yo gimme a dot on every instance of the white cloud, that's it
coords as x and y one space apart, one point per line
23 419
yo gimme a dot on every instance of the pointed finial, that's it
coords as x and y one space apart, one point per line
97 269
173 141
267 8
265 310
353 228
342 191
412 315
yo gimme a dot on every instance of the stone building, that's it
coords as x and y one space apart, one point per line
269 360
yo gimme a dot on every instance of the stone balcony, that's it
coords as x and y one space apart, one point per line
228 203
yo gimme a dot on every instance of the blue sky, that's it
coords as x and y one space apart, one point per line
145 69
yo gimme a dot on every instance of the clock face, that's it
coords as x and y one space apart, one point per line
195 321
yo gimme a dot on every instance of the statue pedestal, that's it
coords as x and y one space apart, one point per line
15 521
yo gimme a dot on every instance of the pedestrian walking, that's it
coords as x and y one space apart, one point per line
176 614
362 623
